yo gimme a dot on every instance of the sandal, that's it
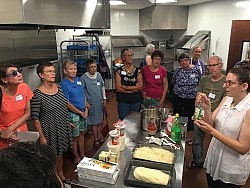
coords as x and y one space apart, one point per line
101 141
96 144
194 165
189 141
67 181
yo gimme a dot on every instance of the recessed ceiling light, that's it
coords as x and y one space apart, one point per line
242 4
163 1
114 2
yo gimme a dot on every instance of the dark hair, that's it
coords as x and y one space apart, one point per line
183 56
3 69
89 62
28 165
242 74
244 64
124 50
40 66
157 53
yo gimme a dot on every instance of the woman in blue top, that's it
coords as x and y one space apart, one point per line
95 93
73 90
185 80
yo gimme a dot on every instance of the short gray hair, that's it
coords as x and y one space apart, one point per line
218 58
149 48
196 46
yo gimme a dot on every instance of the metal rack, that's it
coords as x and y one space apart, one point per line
79 51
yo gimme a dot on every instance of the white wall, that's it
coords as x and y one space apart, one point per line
216 16
124 22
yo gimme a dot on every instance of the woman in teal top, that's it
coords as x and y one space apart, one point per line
95 93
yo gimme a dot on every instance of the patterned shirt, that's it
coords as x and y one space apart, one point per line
185 82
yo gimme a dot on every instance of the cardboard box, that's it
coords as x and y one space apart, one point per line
96 167
112 180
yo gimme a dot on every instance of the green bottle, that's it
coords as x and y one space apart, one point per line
199 111
176 129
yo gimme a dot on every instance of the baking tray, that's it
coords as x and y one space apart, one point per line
129 179
155 146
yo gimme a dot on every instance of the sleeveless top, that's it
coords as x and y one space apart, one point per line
222 162
128 79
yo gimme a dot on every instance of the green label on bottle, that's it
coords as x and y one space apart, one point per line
176 135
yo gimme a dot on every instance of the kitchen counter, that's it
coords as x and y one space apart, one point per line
134 136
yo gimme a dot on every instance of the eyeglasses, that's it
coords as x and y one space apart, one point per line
214 65
185 59
14 73
198 51
230 82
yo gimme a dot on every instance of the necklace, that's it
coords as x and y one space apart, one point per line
129 70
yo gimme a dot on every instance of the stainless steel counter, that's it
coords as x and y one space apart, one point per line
134 135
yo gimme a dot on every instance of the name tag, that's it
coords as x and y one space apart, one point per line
79 83
19 97
211 95
123 73
157 76
98 83
192 76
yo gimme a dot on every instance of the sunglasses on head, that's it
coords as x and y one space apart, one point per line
14 73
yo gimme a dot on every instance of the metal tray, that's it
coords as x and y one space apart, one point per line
155 146
129 179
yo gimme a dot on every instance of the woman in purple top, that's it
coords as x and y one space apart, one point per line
185 80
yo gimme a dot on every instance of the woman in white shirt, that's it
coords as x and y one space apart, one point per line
228 158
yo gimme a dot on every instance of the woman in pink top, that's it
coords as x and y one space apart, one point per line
155 83
15 107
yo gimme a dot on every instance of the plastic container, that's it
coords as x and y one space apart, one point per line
121 140
120 125
114 148
114 134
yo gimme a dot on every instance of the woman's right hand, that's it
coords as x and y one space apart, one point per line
43 140
7 133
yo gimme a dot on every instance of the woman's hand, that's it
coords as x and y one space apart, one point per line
43 140
104 103
160 104
205 100
204 126
7 133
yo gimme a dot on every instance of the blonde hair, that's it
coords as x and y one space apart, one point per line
68 62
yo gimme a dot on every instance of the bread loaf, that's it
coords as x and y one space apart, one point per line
154 154
151 175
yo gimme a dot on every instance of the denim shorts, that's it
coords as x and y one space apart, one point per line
79 122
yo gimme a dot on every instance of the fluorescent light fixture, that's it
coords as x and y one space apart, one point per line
114 2
242 4
163 1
